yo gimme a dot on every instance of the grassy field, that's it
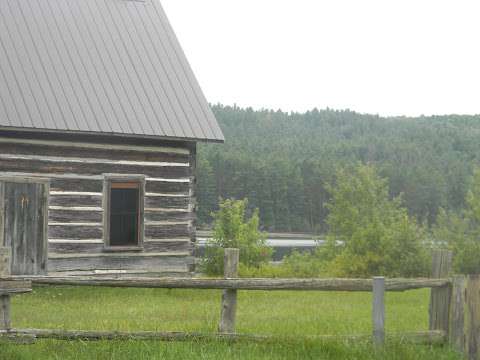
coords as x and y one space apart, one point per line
284 314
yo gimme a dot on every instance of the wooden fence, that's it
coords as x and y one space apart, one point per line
454 303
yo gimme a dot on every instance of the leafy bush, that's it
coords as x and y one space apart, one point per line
461 232
233 230
296 265
370 233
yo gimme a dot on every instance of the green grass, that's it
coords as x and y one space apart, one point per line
285 314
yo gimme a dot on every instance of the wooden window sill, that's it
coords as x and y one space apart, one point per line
122 248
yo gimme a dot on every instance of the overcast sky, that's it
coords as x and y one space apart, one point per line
403 57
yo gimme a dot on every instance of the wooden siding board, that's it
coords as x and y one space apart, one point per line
167 187
75 232
63 167
96 185
82 141
168 216
166 202
125 262
167 231
76 200
66 216
130 155
93 248
86 185
176 271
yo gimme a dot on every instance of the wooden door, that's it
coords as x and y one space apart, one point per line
25 226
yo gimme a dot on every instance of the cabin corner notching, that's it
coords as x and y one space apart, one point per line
100 114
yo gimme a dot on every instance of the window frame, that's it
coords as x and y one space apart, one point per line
108 180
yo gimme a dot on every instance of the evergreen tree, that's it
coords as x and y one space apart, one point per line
283 161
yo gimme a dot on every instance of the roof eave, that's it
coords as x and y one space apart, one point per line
116 135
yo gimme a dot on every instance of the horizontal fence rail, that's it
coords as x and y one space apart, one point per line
419 337
14 286
242 284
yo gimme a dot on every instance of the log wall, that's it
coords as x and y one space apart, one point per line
76 171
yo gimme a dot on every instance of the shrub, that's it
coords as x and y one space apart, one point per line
370 233
233 230
295 265
461 232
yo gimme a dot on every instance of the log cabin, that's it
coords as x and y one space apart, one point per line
100 115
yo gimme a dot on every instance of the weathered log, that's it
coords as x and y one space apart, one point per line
419 283
77 232
102 142
44 166
96 185
472 335
440 298
14 286
77 200
378 311
181 271
20 339
456 329
88 152
229 296
8 288
74 216
166 202
245 284
97 246
167 187
127 261
166 231
86 185
5 256
427 337
5 317
432 337
165 215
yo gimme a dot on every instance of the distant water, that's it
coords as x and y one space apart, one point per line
282 246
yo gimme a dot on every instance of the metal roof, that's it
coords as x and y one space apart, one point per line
98 66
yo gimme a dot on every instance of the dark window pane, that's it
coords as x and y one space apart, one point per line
124 217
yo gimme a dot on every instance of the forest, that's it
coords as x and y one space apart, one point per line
283 162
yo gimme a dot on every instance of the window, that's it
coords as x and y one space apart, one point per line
123 212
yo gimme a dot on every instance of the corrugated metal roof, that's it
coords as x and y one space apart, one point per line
108 66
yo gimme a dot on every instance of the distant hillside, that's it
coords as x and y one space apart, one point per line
282 161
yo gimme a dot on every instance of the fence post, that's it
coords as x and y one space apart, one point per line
229 296
472 335
440 297
456 329
5 322
378 310
5 254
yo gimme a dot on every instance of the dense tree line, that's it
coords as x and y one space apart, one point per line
283 162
